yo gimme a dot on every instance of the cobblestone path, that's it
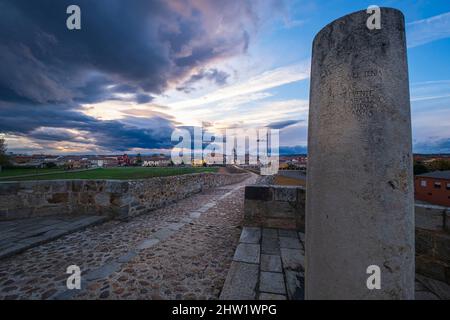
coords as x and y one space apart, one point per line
182 251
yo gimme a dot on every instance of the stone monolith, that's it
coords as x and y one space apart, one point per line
360 200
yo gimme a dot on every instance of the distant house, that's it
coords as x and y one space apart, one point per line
156 161
124 160
433 187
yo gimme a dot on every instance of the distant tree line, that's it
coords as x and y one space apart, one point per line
4 160
436 165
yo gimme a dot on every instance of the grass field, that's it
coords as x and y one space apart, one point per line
116 173
26 171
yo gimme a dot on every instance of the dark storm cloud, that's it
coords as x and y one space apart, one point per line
282 124
213 75
124 47
42 123
433 146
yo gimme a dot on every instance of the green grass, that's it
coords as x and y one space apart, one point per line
24 171
118 173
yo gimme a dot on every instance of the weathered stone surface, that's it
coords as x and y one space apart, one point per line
275 207
271 296
285 193
247 252
270 246
295 282
147 244
104 197
241 282
250 235
272 282
292 259
290 243
287 233
261 193
271 263
269 233
360 214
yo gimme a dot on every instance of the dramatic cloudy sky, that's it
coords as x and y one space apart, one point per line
140 68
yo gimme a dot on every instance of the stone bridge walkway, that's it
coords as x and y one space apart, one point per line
182 251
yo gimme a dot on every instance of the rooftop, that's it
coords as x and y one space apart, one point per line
437 174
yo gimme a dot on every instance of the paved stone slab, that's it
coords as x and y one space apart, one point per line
271 263
247 252
241 281
425 295
29 233
163 234
439 288
295 283
127 257
195 215
104 271
269 233
271 296
250 235
147 244
290 243
176 226
287 233
272 282
270 246
292 259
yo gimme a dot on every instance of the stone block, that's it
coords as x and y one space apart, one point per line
295 283
281 223
103 199
287 233
60 186
261 193
424 242
269 233
270 246
285 193
58 198
147 244
432 268
271 263
272 282
290 243
271 296
250 235
279 209
292 259
9 188
246 252
442 247
241 282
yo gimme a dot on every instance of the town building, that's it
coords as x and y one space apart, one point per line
433 187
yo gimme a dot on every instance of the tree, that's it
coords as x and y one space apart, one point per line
440 164
4 161
139 159
419 168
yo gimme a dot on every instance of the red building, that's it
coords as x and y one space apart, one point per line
124 160
433 187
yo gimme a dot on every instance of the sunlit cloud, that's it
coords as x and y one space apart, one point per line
427 30
267 80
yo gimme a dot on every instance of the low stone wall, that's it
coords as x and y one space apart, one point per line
114 198
433 242
274 206
284 207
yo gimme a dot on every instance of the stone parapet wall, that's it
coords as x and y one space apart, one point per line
274 206
433 242
284 207
114 198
